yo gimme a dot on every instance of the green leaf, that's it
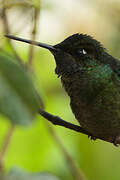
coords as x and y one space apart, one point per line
19 100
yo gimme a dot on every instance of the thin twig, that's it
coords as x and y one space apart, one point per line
17 4
33 36
5 146
76 172
7 31
60 122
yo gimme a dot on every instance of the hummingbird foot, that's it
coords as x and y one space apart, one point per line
92 137
116 141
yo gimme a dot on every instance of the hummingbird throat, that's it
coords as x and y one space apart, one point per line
65 64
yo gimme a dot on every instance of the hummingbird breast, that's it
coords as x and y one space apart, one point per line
95 105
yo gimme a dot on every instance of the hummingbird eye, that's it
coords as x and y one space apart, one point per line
82 51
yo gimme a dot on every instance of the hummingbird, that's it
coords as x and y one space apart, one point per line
91 78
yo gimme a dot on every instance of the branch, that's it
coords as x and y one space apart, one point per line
60 122
76 171
9 5
7 31
33 36
4 148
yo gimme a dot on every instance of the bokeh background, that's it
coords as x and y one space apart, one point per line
35 148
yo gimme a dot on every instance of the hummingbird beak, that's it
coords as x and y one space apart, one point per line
46 46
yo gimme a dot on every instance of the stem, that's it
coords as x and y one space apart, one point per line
5 146
7 31
33 36
60 122
77 173
9 5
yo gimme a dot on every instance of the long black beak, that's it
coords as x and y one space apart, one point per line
47 46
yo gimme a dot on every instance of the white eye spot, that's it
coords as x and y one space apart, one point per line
82 51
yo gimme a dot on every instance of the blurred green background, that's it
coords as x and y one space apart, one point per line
34 148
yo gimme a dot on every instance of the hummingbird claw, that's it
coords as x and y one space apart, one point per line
92 137
116 141
58 75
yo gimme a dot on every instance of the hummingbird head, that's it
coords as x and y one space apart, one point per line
79 51
81 46
71 53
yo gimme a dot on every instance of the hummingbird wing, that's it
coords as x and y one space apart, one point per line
113 62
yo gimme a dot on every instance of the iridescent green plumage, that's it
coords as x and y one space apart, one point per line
93 86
